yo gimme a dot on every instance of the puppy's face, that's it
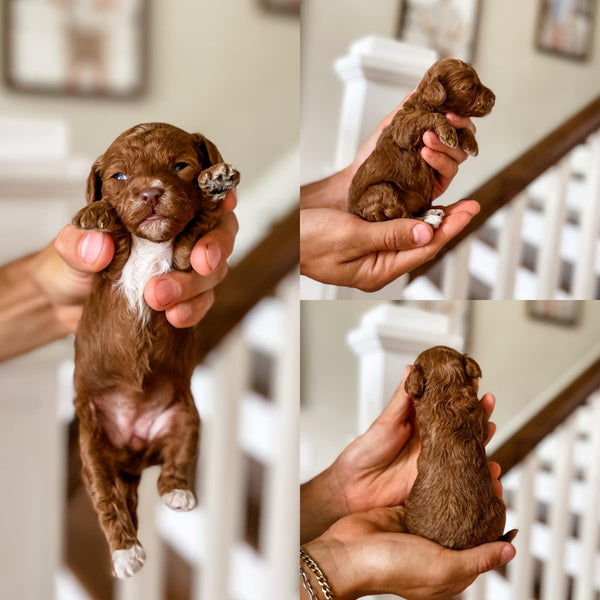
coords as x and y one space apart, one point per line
149 175
455 86
440 368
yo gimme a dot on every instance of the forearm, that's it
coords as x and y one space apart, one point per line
320 506
331 192
27 317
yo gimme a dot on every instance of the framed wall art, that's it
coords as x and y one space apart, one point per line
291 7
75 47
447 26
565 27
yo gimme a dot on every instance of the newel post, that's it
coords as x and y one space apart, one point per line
389 338
377 74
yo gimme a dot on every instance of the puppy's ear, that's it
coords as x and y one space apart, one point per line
208 154
434 92
415 382
472 369
93 189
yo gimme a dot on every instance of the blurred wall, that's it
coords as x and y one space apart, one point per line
228 69
535 92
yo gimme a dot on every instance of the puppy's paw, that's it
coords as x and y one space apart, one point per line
96 216
127 563
434 217
218 180
182 500
448 136
467 142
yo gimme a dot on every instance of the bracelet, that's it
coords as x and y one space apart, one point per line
307 586
314 567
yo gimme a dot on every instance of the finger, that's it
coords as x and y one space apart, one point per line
86 251
495 469
394 235
441 155
491 432
399 407
230 201
484 558
459 122
165 291
487 403
190 312
213 249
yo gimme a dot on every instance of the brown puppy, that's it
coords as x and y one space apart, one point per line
395 181
156 190
453 501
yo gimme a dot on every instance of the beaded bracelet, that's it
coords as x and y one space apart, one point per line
322 580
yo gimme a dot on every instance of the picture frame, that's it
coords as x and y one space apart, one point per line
76 48
565 28
447 26
289 7
559 312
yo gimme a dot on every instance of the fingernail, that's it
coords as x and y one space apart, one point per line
507 553
91 246
166 291
213 255
422 234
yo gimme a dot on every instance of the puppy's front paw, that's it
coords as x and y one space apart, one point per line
467 142
449 137
96 216
182 500
434 217
218 180
127 563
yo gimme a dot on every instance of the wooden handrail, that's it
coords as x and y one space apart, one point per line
249 281
523 441
514 178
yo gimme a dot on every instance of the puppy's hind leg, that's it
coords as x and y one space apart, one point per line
380 202
180 449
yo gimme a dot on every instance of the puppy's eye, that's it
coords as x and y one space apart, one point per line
180 166
471 88
120 176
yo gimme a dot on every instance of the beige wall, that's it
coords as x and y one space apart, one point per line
535 91
227 69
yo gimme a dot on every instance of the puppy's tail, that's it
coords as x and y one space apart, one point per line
509 536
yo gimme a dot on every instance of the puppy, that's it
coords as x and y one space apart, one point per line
453 501
156 190
395 181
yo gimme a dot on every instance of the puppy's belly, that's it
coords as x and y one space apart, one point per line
133 422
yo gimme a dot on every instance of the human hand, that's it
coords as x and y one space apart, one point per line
65 270
371 553
377 469
339 248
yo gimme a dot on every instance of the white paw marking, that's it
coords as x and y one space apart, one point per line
127 563
434 217
179 500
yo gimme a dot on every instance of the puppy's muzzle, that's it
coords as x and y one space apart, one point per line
151 197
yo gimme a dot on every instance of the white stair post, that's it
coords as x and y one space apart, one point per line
389 338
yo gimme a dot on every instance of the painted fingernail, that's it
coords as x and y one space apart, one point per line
91 246
213 255
166 291
422 234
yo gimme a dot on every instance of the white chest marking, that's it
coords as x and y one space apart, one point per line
147 259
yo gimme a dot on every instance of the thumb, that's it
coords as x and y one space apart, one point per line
486 557
84 251
397 234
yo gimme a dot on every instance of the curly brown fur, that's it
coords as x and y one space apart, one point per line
395 181
156 190
453 501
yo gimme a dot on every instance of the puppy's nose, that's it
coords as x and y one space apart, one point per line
151 196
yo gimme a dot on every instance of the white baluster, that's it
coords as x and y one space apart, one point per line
584 279
220 469
280 531
476 591
521 568
148 583
455 284
509 249
548 263
590 521
554 581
